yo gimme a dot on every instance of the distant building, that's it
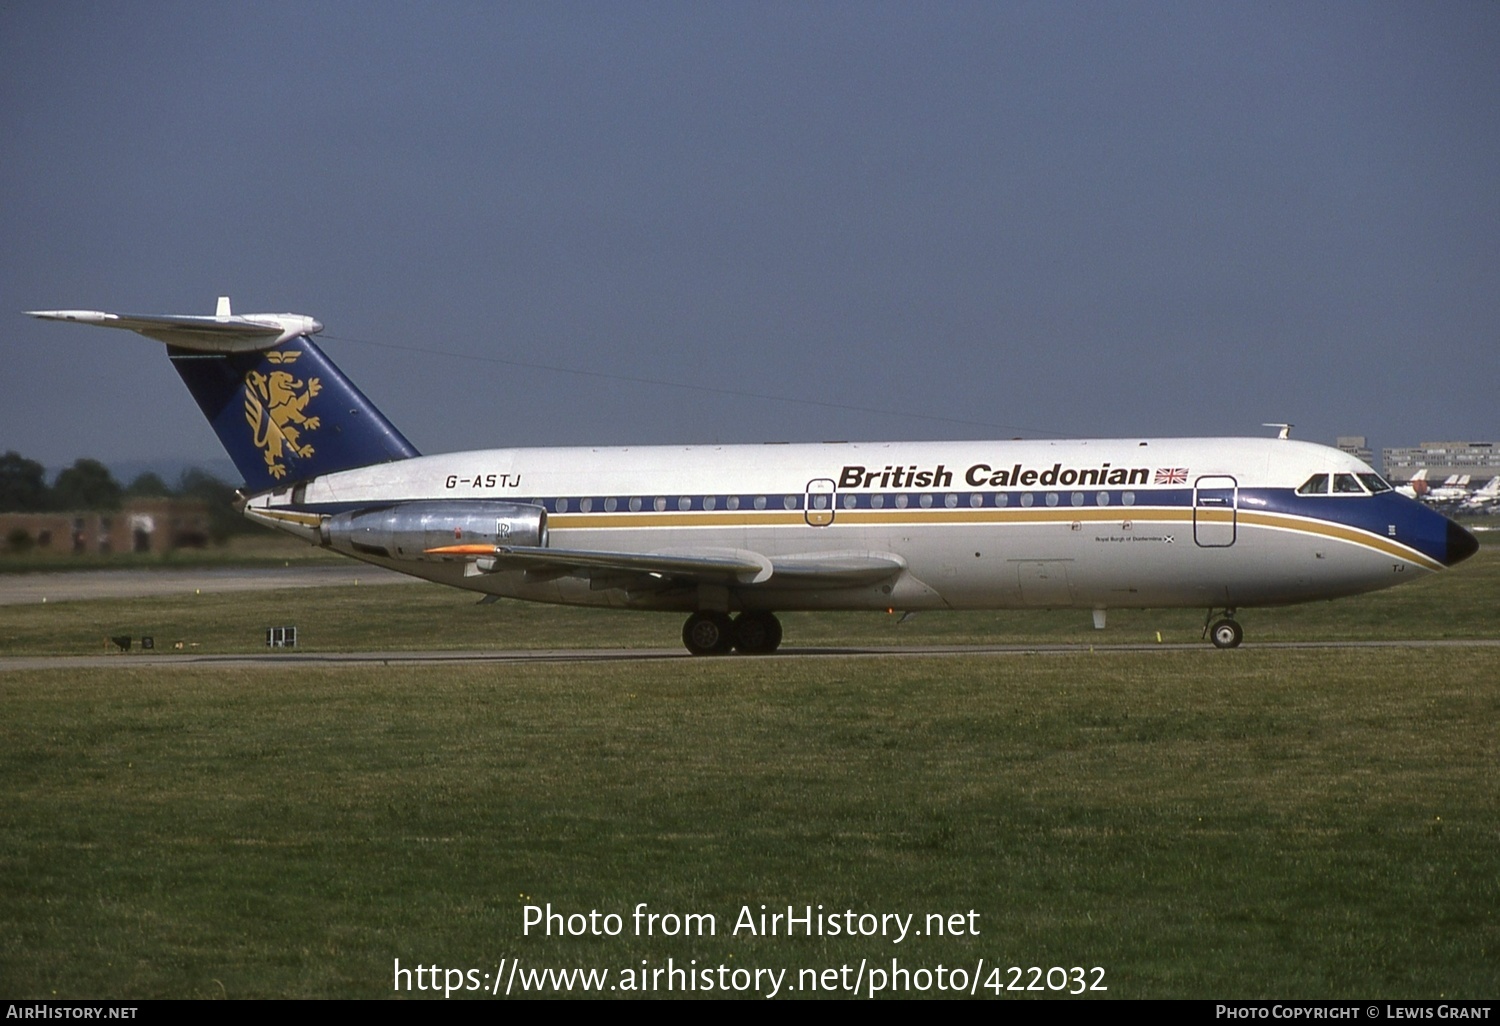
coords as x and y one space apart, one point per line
1357 446
140 525
1480 460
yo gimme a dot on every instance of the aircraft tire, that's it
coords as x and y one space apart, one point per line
757 633
708 634
1227 634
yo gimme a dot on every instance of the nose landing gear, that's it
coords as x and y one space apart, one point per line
1226 632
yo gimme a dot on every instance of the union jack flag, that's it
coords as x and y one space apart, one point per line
1172 475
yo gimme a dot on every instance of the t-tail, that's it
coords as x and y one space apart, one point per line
282 410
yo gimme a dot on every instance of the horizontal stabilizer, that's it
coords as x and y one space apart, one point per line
222 333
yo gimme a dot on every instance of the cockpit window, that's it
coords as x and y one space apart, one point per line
1315 485
1375 483
1347 484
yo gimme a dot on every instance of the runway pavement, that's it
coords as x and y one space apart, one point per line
92 584
281 660
77 585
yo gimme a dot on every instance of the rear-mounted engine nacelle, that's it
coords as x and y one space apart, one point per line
407 530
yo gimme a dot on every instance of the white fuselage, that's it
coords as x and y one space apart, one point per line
966 525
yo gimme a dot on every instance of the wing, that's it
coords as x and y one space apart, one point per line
704 566
712 566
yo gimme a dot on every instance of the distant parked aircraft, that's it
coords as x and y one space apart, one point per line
1416 487
1486 498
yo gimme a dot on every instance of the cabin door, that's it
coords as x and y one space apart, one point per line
818 507
1216 501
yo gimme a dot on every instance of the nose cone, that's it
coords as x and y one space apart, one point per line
1461 544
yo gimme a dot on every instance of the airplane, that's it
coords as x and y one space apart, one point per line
734 534
1451 492
1484 498
1417 487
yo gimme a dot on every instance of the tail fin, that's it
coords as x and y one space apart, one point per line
287 414
282 410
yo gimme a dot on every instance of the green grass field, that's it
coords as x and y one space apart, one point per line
1287 823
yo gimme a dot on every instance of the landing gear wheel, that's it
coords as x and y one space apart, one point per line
757 633
708 634
1227 634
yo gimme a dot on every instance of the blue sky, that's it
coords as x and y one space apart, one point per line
921 220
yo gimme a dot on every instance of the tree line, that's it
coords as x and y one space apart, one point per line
89 485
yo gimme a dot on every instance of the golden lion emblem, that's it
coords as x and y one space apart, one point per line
274 408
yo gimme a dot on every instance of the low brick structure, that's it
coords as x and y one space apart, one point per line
139 525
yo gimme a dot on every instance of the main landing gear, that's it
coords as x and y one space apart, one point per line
717 634
1225 632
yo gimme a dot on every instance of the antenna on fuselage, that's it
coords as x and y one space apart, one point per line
1283 431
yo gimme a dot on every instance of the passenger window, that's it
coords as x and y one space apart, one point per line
1315 485
1346 484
